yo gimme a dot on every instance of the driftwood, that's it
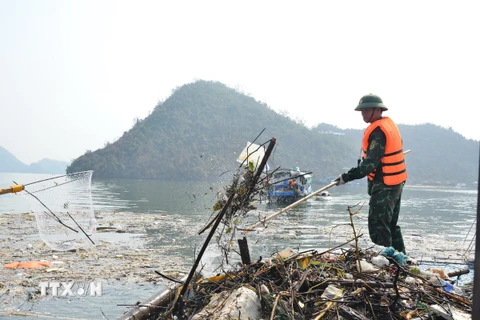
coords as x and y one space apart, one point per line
155 305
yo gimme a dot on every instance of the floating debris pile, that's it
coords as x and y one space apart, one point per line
352 284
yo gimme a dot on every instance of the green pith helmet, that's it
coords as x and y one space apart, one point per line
370 101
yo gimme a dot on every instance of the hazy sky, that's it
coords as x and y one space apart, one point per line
75 74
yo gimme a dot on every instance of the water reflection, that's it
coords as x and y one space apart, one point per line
152 196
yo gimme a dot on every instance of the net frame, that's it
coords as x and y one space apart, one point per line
63 210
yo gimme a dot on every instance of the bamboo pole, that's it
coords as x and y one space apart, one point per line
293 205
12 189
152 307
178 304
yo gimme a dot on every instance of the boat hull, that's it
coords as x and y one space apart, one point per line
286 186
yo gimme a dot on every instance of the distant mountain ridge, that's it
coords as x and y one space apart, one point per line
197 133
439 156
9 163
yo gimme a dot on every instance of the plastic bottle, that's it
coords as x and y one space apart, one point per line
380 261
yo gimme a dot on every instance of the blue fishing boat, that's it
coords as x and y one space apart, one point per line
286 186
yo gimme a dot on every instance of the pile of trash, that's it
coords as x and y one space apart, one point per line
350 284
337 283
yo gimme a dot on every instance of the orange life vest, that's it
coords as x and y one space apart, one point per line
393 162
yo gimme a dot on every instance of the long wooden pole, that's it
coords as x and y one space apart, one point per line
178 305
293 205
12 189
20 187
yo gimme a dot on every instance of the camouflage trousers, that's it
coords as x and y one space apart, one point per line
383 215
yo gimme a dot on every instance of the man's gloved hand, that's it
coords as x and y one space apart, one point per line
340 181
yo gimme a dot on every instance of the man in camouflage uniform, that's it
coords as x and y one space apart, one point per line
383 163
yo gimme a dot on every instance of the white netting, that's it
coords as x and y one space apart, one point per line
63 210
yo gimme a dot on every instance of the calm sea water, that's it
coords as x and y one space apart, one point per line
434 217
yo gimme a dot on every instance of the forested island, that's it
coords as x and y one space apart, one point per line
197 133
